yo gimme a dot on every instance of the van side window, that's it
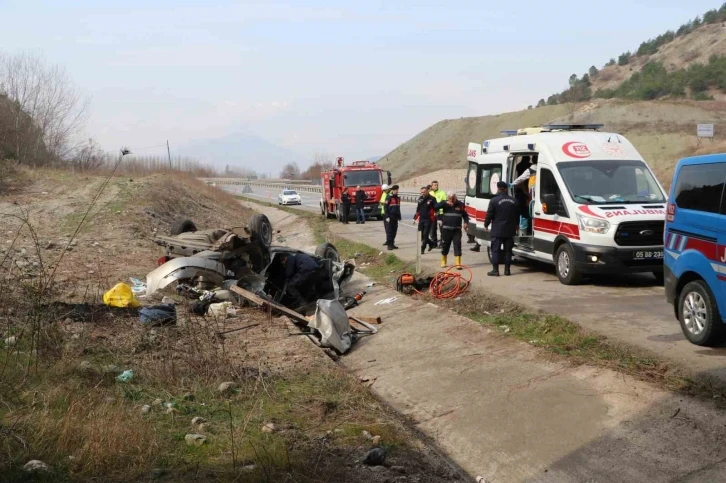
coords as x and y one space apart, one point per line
700 187
489 176
471 180
550 192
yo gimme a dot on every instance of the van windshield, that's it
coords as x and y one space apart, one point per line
370 177
602 182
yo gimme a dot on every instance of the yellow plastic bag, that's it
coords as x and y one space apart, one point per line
120 296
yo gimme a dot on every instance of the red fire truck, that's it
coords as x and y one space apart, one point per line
369 176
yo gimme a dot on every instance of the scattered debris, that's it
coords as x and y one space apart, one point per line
156 315
268 428
157 402
194 439
226 387
372 284
386 301
376 440
375 457
188 396
145 409
198 420
219 310
11 341
366 434
505 328
85 366
36 467
125 376
120 296
137 286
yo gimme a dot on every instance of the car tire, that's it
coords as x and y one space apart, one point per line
489 253
182 226
699 316
328 250
659 277
260 225
565 267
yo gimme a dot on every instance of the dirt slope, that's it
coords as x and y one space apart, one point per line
663 132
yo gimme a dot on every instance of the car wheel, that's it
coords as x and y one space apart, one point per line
489 253
565 267
328 250
182 226
659 277
699 316
260 225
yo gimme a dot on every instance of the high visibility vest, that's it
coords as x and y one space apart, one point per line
383 202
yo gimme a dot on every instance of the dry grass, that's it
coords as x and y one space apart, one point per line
60 401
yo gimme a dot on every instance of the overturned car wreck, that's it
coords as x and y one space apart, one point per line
244 257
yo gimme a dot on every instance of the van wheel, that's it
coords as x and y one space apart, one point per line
698 315
659 278
489 253
565 267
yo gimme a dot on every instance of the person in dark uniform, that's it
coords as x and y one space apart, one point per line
425 216
393 216
453 217
345 200
301 273
360 197
503 216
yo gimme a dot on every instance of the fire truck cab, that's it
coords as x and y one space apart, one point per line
596 205
369 176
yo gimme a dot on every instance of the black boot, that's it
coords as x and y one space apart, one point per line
494 273
476 248
507 271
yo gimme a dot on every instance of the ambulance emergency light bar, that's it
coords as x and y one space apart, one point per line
508 132
573 127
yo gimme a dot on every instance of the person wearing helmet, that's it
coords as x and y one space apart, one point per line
453 217
386 190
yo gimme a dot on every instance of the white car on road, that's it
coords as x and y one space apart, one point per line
289 197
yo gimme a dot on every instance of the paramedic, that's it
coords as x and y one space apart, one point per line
426 216
301 274
393 216
503 216
385 190
524 192
440 197
453 217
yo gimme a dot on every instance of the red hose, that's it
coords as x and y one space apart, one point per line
451 283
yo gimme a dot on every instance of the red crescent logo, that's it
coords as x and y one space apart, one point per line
588 211
576 149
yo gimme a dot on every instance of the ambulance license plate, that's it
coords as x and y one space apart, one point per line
648 255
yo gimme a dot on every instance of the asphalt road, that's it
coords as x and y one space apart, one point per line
630 309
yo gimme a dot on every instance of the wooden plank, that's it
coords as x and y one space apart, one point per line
260 302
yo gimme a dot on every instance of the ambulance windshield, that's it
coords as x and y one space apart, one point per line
369 177
603 182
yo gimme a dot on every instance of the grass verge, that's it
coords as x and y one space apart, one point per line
554 334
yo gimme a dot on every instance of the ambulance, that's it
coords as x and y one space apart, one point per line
595 206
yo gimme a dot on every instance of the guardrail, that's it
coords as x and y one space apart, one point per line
408 197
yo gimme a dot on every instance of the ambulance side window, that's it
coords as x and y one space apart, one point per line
489 176
550 193
471 180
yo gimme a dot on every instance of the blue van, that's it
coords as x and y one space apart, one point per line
695 248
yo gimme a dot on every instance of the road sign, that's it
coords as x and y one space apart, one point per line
705 130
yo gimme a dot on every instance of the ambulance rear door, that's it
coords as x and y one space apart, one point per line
489 169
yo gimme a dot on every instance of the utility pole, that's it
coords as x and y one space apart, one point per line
168 152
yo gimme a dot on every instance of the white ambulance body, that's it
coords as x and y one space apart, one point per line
597 206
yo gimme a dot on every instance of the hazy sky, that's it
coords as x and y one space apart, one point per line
349 78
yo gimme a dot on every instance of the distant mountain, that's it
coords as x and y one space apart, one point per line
243 151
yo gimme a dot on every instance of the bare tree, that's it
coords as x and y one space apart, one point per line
290 171
47 111
89 156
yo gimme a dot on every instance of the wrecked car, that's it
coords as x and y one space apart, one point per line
244 256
